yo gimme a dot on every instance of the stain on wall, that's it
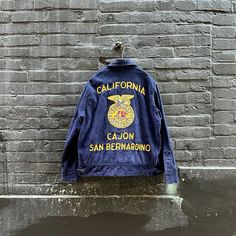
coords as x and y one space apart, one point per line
207 208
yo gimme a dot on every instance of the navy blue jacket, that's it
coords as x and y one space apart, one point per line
119 127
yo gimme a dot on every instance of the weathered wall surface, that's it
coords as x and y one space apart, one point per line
50 48
206 207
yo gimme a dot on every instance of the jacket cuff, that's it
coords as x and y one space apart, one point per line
69 176
172 178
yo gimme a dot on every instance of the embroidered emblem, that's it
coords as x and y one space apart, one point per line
120 114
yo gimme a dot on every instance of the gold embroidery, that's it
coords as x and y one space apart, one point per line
121 114
117 136
120 146
122 84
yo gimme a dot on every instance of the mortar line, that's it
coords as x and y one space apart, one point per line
89 196
207 167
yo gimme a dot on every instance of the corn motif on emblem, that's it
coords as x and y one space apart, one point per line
120 114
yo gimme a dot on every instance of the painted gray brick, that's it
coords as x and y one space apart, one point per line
230 152
226 82
5 17
50 99
26 123
175 40
2 63
182 132
41 16
25 111
182 121
81 28
195 75
200 63
224 68
115 6
193 29
193 51
172 63
61 111
174 109
223 141
48 27
220 163
118 29
61 39
223 117
184 17
49 123
196 109
49 49
191 144
7 5
224 129
13 76
25 146
165 5
148 6
186 5
22 40
225 104
224 44
224 31
23 4
161 28
3 123
60 76
188 155
84 4
178 88
224 93
223 56
128 17
90 16
214 5
38 134
33 167
156 52
16 51
202 40
57 88
224 19
38 156
51 4
187 98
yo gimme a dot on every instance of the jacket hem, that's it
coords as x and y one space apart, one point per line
69 176
118 170
172 179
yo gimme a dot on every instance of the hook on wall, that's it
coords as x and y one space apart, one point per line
120 46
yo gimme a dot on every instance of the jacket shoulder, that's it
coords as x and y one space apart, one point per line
98 76
148 77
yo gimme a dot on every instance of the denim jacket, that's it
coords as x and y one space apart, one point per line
119 127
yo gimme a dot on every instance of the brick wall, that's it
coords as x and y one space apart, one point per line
49 49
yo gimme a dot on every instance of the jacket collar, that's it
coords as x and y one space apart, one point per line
122 62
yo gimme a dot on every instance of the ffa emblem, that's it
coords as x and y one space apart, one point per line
120 114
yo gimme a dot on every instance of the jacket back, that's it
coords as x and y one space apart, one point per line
119 127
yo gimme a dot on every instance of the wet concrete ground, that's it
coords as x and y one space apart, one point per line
204 207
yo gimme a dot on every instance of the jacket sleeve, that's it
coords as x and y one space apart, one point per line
166 155
70 161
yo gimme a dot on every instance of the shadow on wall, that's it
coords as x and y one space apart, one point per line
4 203
209 205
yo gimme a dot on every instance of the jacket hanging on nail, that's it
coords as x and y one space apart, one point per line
119 127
